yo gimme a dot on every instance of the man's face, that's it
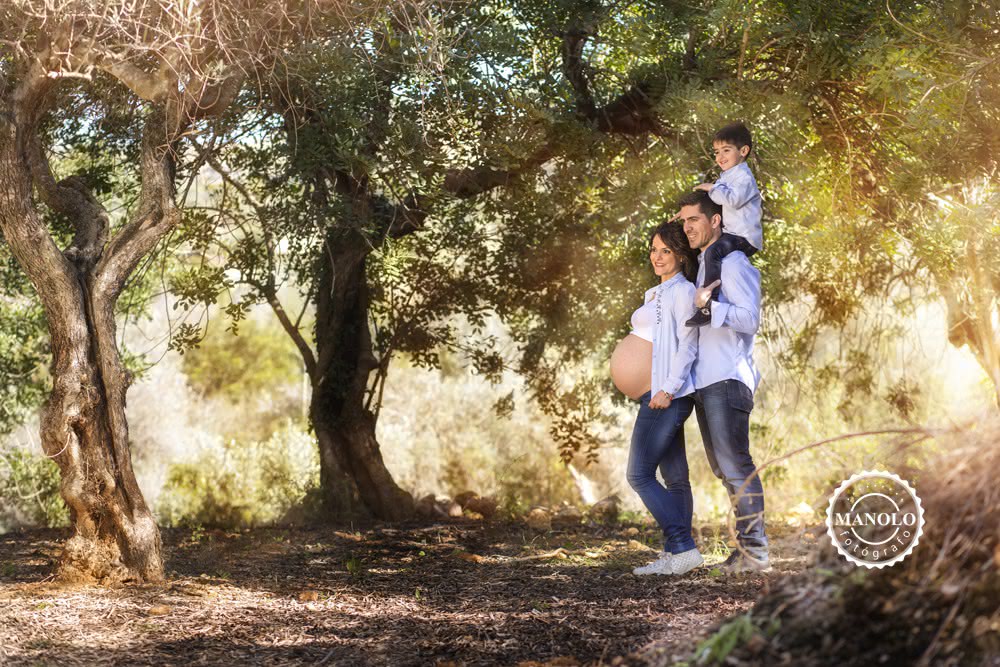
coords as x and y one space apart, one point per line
700 230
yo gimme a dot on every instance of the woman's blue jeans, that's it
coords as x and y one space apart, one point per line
658 442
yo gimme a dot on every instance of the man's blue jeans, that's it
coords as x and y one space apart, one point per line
723 411
658 441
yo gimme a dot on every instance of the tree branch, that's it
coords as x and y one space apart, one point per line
632 112
72 198
157 211
473 181
153 87
292 329
49 270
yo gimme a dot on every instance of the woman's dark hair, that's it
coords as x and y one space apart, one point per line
672 235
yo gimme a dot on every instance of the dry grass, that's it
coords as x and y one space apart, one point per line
939 606
465 592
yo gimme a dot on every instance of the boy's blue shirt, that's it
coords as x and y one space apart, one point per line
736 191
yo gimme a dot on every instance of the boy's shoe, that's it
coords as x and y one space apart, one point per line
686 561
738 562
661 565
701 317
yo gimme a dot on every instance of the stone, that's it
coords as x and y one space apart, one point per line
486 506
567 516
425 506
606 510
539 519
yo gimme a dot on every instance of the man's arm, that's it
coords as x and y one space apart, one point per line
741 287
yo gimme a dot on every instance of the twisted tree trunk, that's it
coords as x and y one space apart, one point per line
83 424
354 478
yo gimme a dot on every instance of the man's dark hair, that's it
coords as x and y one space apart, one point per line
704 203
736 134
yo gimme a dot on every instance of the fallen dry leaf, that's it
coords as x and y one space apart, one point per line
348 536
472 558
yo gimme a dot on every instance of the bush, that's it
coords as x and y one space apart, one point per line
29 491
241 484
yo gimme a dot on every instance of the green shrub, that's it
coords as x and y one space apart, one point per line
257 360
29 490
242 484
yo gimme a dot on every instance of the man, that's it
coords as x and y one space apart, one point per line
725 378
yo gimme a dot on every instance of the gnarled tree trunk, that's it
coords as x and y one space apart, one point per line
83 428
83 424
354 478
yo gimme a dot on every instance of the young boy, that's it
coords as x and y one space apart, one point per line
736 191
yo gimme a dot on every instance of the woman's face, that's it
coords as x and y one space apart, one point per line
664 261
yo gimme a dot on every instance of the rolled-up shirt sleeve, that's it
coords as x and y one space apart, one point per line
741 288
735 193
681 308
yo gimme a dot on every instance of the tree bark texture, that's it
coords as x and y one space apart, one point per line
83 424
354 478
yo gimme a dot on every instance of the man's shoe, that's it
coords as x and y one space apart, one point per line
739 562
686 561
728 563
661 565
702 317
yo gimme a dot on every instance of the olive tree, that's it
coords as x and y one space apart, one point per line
161 72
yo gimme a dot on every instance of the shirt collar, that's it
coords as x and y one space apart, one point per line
677 277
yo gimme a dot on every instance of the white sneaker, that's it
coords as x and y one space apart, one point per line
661 565
686 561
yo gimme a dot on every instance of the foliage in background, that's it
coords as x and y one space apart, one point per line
242 484
253 378
876 143
23 345
29 491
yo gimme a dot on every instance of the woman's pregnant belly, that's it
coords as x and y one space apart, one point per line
632 365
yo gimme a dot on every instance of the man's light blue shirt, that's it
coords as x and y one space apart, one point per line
725 349
736 192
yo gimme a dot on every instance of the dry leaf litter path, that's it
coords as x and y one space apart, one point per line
461 593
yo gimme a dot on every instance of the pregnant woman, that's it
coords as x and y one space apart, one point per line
653 365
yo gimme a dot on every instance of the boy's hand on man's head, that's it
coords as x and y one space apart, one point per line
704 186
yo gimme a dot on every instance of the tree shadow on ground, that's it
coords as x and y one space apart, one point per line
465 592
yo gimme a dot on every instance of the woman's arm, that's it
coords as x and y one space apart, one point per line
680 308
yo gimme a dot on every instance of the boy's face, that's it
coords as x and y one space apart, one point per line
728 156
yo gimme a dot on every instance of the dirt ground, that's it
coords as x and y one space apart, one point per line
448 593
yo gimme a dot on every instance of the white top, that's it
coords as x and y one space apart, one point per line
674 344
736 192
725 349
643 321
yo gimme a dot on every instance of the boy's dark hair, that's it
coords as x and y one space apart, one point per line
672 235
700 199
736 134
